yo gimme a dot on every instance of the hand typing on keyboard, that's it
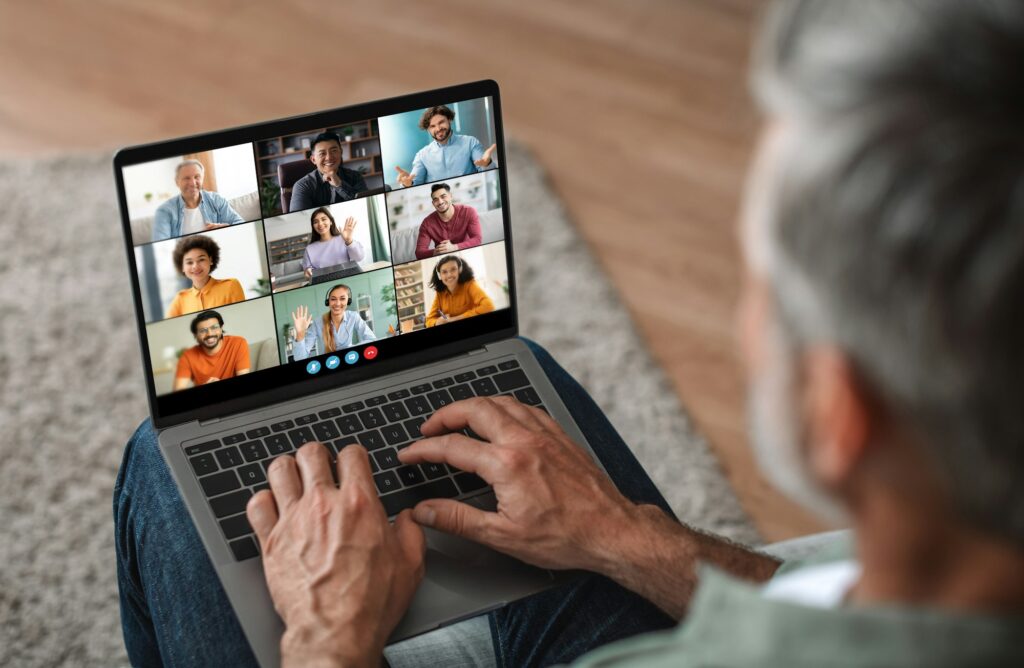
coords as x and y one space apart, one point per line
556 508
340 575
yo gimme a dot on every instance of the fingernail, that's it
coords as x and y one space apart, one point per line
424 515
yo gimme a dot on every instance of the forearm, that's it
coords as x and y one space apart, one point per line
657 557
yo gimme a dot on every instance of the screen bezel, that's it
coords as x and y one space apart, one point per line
199 403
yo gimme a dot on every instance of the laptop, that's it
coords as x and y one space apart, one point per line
335 272
230 383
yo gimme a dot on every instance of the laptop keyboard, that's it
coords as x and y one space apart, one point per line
233 467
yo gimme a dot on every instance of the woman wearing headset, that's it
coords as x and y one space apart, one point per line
338 328
457 294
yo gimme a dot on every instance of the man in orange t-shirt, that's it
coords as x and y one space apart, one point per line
215 355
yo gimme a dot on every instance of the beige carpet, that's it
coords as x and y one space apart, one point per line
72 392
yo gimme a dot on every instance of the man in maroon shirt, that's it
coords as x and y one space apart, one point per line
451 227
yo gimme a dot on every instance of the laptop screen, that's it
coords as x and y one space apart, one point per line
286 257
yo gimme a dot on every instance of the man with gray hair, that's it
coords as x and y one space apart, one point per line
195 209
881 323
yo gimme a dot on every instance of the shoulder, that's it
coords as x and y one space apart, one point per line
236 342
168 206
306 181
213 198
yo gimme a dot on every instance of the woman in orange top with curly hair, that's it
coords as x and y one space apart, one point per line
458 296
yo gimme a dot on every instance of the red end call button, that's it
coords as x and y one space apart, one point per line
370 352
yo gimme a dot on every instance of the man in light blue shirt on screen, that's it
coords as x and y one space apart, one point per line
195 210
449 155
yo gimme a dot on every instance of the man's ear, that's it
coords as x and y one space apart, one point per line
838 414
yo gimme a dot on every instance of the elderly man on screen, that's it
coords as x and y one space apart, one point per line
881 324
195 209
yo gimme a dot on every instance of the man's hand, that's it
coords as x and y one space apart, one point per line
308 272
556 508
333 177
445 246
215 226
485 159
301 319
340 575
211 379
404 177
348 230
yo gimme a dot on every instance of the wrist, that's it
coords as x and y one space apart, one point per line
301 648
635 548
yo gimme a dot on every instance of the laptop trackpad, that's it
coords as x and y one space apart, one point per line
464 578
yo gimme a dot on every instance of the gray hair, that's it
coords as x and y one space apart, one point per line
185 163
896 226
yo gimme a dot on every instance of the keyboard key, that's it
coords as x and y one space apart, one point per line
325 431
508 364
433 471
510 380
394 434
260 488
258 432
233 439
328 413
254 451
469 482
387 459
439 399
371 440
372 418
527 395
344 441
373 466
229 457
464 377
443 382
349 424
203 464
486 370
200 448
230 504
284 425
235 526
484 387
386 482
395 412
407 498
278 444
306 419
252 474
244 548
413 427
460 392
300 436
219 483
410 475
353 407
418 406
398 394
376 401
421 388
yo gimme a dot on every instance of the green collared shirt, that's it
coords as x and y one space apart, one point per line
732 623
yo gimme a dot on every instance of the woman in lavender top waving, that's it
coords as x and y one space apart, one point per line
327 245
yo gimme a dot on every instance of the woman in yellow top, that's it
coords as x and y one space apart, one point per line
196 257
458 295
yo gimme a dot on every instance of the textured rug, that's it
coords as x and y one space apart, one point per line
72 392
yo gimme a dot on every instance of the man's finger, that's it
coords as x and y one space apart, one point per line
460 451
456 518
521 412
262 514
284 481
401 172
314 465
481 415
410 536
354 468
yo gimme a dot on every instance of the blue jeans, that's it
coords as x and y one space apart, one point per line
175 612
